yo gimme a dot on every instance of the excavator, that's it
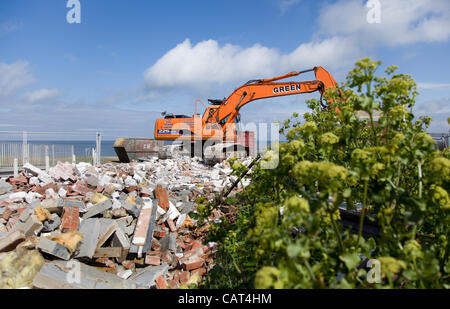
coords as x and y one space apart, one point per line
214 135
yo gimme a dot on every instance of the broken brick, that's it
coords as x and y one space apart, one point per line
184 277
161 196
152 260
171 225
70 220
7 213
161 282
128 264
201 271
196 263
159 234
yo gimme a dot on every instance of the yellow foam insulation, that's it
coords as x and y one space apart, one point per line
68 240
18 268
98 198
188 223
131 199
42 214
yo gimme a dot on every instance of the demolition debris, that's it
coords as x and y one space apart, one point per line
125 225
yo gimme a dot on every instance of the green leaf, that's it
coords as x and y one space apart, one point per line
293 250
347 192
447 267
351 260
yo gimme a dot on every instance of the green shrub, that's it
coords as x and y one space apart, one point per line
390 169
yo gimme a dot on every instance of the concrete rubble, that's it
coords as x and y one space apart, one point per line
121 225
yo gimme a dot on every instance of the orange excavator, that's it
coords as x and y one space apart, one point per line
214 134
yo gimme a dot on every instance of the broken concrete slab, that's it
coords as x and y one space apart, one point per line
5 187
50 204
107 228
131 209
63 171
168 242
125 273
53 248
59 275
42 175
109 252
90 229
148 239
70 202
98 209
51 225
120 239
30 227
11 240
146 277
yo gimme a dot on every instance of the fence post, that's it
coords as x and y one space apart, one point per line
16 167
53 154
47 159
98 149
94 157
74 160
24 147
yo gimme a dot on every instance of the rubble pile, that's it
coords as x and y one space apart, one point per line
110 226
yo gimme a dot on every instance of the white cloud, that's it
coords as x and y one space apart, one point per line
402 21
208 62
9 26
286 4
151 96
42 95
71 58
440 106
344 35
432 85
13 77
439 110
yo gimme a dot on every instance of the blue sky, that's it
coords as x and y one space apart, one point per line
127 61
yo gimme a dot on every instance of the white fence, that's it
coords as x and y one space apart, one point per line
44 149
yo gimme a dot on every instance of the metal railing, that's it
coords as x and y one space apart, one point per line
442 139
44 149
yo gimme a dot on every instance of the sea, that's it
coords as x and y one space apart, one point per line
81 148
84 148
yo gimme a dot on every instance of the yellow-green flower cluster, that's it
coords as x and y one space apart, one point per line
413 249
440 196
327 174
268 277
296 204
328 139
390 265
441 166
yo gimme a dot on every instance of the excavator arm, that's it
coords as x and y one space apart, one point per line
269 88
218 121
